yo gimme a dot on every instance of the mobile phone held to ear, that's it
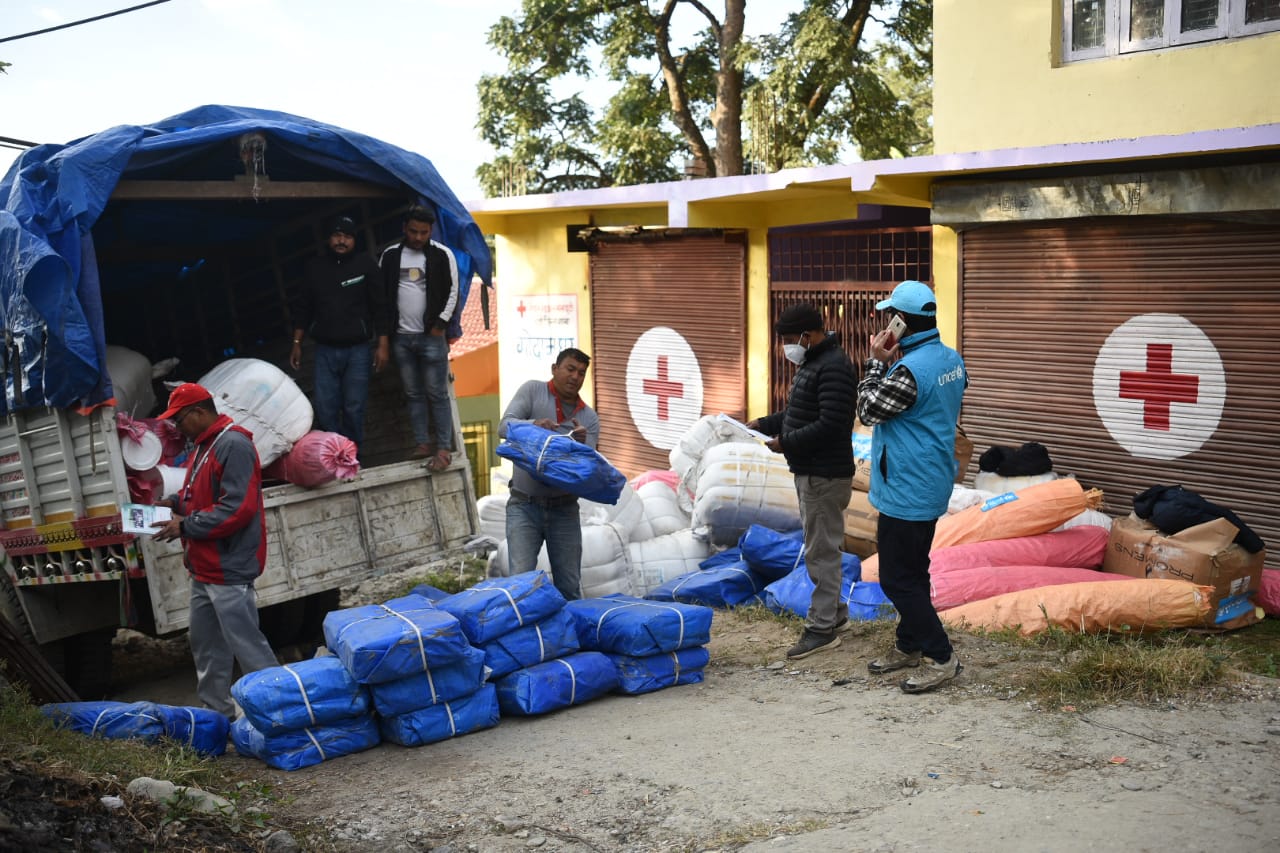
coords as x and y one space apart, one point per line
897 329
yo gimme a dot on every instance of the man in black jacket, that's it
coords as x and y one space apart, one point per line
421 277
343 306
814 433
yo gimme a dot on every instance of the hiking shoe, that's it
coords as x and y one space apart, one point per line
895 659
843 626
812 642
932 674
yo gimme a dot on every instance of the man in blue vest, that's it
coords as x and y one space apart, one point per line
913 405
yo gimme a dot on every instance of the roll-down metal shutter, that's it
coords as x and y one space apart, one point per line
693 285
1083 336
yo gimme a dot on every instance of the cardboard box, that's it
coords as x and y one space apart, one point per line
1203 554
862 455
860 526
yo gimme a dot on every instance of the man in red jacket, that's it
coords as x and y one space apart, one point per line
218 515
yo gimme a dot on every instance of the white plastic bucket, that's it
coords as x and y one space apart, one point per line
142 453
173 478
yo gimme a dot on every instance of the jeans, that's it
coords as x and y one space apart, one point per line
224 629
424 371
342 389
904 576
529 524
822 504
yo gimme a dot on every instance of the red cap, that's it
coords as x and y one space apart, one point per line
187 394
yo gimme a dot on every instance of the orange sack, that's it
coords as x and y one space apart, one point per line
1026 512
1139 604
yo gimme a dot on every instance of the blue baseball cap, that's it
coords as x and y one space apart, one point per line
911 297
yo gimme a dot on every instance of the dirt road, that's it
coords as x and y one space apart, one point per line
819 756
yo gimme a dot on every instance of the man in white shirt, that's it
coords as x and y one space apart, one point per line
421 276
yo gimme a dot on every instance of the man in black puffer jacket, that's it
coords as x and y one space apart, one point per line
813 432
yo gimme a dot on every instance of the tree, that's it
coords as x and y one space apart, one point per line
716 102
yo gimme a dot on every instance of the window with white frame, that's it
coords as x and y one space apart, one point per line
1094 28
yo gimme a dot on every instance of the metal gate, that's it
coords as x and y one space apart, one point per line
1139 352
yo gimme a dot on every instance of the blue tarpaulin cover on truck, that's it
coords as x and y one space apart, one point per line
53 352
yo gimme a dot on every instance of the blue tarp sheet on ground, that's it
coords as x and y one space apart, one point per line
471 713
556 684
771 554
203 730
293 750
499 606
53 195
654 672
297 695
792 593
632 626
553 637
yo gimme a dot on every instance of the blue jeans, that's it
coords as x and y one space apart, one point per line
342 388
529 524
424 371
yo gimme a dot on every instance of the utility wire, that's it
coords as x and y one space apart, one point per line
84 21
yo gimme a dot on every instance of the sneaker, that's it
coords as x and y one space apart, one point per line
932 674
812 642
843 626
895 659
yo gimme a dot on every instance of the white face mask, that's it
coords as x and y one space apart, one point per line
794 353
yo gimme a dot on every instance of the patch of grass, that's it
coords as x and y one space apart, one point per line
1255 649
751 613
450 578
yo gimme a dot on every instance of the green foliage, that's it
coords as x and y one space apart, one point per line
3 66
803 96
468 572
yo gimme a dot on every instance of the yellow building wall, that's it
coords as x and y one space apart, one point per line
999 82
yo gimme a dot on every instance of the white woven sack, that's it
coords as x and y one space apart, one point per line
687 457
258 396
625 513
744 484
658 560
605 568
990 481
130 374
492 510
662 512
1088 516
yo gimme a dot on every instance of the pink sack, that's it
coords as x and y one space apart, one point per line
954 588
1268 597
671 478
1080 547
315 459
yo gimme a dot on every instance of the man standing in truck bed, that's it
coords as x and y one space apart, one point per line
220 519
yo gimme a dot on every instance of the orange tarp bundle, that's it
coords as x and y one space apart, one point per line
1139 604
1026 512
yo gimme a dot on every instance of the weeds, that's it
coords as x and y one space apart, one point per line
470 571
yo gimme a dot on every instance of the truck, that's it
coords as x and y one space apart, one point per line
185 241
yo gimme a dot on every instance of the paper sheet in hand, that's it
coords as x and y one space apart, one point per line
138 518
743 427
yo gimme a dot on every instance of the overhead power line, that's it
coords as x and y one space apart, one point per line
84 21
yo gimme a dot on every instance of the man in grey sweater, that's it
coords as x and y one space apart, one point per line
538 513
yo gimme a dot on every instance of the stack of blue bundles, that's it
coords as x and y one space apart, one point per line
302 713
518 621
792 593
403 637
559 683
441 703
203 730
721 584
650 644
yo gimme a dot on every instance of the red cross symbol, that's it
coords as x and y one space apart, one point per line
664 389
1158 386
520 309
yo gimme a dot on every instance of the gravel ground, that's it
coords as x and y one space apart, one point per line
765 755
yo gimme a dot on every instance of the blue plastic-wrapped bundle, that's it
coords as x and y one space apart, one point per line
296 695
771 554
114 720
203 730
867 602
721 586
386 642
556 684
429 592
499 606
553 637
298 748
654 672
792 593
626 625
459 716
438 684
560 461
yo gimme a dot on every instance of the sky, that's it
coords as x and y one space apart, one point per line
403 71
